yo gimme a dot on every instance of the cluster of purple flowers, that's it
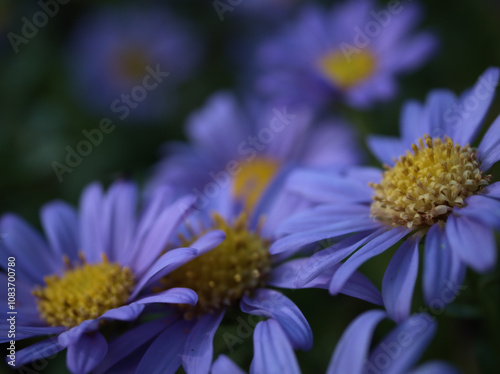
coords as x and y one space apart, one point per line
270 192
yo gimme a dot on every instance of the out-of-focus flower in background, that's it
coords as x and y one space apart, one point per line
130 62
251 145
351 53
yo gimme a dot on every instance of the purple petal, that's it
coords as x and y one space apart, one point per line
160 234
170 261
376 246
324 214
208 241
360 287
198 350
86 353
224 365
324 186
60 223
273 304
124 313
324 259
92 237
439 104
403 346
399 280
272 351
164 356
172 296
292 243
119 214
130 341
484 209
489 148
24 332
385 148
411 123
22 241
472 242
72 335
493 191
476 103
351 351
443 272
38 351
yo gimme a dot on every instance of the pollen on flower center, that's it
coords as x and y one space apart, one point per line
252 180
423 187
348 71
83 292
223 275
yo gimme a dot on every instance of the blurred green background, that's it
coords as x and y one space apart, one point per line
40 116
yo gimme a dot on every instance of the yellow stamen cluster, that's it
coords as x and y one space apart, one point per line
223 275
84 292
348 71
253 179
423 187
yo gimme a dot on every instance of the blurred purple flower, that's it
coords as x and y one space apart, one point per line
114 51
90 268
352 53
249 146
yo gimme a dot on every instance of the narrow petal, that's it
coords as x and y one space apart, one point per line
411 125
472 242
224 365
60 223
484 209
72 335
399 280
86 353
294 242
352 349
443 272
476 103
439 104
324 186
273 304
369 250
92 237
119 213
164 356
385 148
198 350
324 259
160 234
272 350
22 241
131 341
170 261
360 287
124 313
38 351
403 346
24 332
172 296
489 148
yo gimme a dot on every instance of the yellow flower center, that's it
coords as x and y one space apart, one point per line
348 71
223 275
423 187
253 179
84 292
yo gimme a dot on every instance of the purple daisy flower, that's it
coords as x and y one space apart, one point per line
434 191
352 52
129 62
237 272
249 147
91 268
396 353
